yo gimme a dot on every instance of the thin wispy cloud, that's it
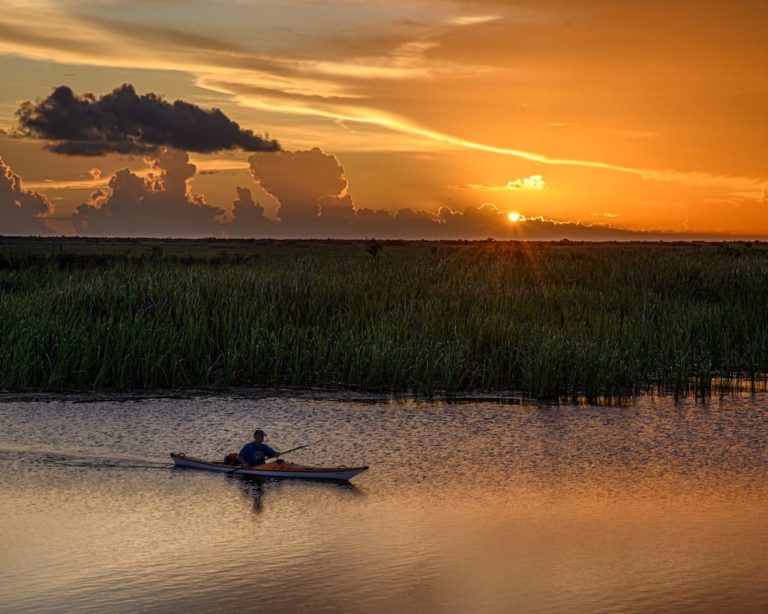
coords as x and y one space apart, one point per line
526 184
402 125
101 180
471 20
68 184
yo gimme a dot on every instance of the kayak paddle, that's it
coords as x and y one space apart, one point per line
306 445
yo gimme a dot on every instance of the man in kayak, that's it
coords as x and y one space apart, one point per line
257 452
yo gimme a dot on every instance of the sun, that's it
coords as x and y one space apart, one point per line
513 216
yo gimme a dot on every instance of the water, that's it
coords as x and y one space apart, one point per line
473 507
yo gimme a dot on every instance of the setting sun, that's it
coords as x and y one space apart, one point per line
513 216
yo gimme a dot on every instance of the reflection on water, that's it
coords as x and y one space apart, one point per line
477 507
253 488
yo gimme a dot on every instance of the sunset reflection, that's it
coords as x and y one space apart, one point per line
547 513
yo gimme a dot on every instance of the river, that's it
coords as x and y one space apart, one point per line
481 506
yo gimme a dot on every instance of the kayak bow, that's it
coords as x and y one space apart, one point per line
274 469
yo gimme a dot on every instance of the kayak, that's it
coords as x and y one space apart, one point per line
274 469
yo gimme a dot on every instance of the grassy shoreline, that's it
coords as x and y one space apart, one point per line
548 319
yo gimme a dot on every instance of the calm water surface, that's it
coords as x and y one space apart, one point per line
474 507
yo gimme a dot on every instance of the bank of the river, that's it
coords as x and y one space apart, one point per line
548 320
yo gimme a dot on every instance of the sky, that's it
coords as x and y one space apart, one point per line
545 119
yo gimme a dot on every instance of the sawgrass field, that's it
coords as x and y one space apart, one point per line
546 320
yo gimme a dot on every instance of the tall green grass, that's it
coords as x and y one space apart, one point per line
548 320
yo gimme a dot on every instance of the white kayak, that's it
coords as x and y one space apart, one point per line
274 469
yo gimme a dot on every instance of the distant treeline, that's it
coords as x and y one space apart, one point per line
545 319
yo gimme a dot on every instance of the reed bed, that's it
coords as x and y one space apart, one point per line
547 320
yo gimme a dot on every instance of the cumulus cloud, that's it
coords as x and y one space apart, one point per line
161 204
128 123
248 219
313 202
307 184
337 211
21 210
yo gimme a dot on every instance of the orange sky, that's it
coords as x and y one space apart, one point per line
644 116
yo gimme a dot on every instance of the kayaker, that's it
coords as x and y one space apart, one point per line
256 452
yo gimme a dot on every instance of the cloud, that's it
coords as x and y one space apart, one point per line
128 123
248 219
485 221
315 202
370 116
67 184
534 182
21 210
471 20
307 184
160 205
488 221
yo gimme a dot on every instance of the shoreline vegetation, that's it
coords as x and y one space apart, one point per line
551 320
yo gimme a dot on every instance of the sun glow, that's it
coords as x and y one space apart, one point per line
514 216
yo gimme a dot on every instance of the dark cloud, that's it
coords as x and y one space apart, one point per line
161 205
20 210
125 122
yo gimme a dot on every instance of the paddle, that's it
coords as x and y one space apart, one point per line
306 445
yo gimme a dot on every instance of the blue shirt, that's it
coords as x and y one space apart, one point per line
256 453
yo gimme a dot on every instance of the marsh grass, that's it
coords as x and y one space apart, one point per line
549 320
